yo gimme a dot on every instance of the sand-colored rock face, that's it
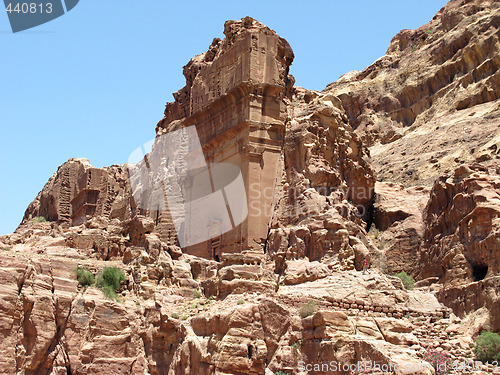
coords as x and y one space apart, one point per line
284 291
235 96
398 226
462 241
50 324
462 236
432 100
326 188
250 53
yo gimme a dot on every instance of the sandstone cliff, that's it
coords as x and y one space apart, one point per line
431 103
285 287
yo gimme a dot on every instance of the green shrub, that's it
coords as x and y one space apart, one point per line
109 281
281 372
407 280
184 317
111 276
84 277
240 302
295 345
39 219
308 308
175 315
109 292
487 348
197 293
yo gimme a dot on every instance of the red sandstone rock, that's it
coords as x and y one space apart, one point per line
462 239
309 243
398 227
433 98
78 191
326 189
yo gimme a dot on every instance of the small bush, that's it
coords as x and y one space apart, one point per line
197 293
175 315
84 277
281 372
109 281
240 302
407 280
439 361
111 276
109 292
39 219
295 345
184 317
308 308
487 348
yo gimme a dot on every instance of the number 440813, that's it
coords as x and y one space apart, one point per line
29 8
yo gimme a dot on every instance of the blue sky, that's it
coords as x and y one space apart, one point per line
94 82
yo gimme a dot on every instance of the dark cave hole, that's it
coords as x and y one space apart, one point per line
479 272
250 351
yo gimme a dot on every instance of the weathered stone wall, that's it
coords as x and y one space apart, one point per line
326 188
461 240
78 191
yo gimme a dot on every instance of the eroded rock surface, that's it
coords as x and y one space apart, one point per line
51 324
286 285
326 189
461 240
78 191
432 100
398 226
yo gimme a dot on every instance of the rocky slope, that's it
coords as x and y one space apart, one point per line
298 297
161 325
429 109
431 103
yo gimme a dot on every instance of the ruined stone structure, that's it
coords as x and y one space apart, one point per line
234 96
78 191
84 203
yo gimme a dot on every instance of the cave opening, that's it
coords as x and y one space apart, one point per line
250 351
479 272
